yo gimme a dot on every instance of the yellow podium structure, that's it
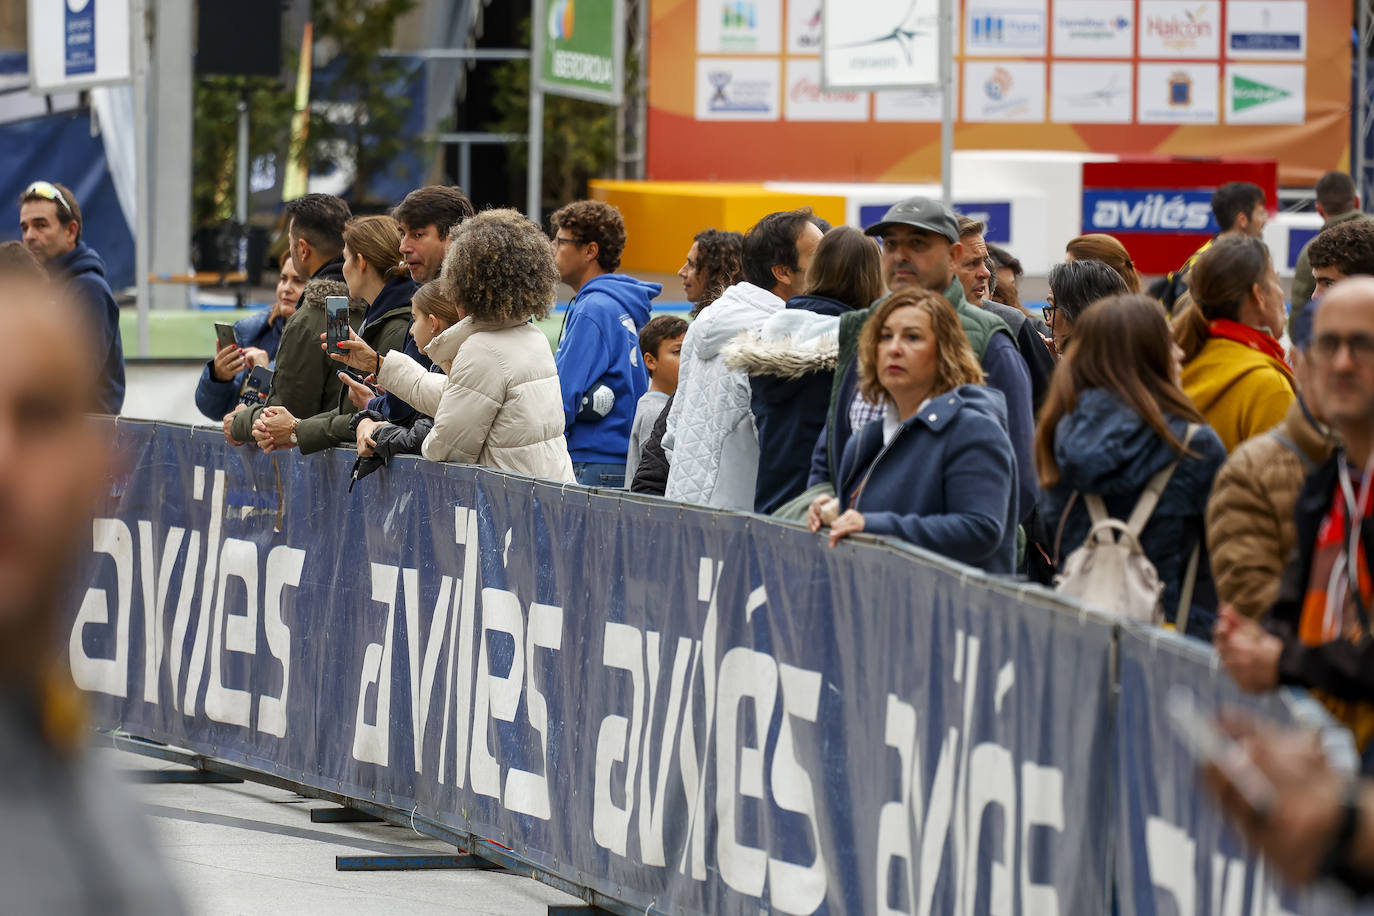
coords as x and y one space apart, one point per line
662 216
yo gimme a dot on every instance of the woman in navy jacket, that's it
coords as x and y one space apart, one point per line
257 337
938 469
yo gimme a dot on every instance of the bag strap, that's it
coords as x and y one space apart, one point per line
1281 439
1185 593
1149 499
1097 509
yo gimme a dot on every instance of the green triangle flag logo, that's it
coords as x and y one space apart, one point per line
1247 93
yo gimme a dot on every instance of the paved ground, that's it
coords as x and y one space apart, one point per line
246 848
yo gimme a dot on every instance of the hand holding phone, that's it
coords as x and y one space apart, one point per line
337 329
224 336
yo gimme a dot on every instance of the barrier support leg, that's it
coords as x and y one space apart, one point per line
177 777
342 816
412 863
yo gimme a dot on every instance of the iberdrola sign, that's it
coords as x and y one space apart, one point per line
1247 93
583 48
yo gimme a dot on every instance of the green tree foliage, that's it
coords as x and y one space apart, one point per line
215 139
358 122
579 136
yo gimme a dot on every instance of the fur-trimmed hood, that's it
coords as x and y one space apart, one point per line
321 288
790 344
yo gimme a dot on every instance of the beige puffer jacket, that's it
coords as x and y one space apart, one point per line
500 406
1250 530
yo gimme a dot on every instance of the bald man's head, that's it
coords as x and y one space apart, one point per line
1341 356
54 463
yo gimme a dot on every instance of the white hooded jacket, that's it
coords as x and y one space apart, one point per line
711 442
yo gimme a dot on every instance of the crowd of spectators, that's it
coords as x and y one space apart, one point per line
885 380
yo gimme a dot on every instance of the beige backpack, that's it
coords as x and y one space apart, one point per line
1110 570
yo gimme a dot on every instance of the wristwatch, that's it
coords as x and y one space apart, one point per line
294 424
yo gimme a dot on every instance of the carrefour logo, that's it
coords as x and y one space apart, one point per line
1188 212
561 20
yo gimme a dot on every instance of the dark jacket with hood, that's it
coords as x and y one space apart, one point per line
386 324
789 411
215 398
600 344
84 269
652 474
943 483
1031 346
1105 447
1002 365
305 380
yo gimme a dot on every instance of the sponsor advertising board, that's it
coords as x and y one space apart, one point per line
1094 28
804 27
582 49
1188 93
1005 28
1265 93
1084 93
1180 28
1178 94
1266 29
880 44
911 105
1004 91
805 100
736 89
739 26
77 44
1161 209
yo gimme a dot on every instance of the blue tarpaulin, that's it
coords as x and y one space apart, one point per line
62 148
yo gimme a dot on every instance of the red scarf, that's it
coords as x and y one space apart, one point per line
1250 337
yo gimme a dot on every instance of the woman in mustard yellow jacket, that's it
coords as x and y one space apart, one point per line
1233 366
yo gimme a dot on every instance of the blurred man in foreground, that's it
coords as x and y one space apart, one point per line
72 843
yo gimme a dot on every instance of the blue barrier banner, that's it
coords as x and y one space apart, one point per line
684 710
1175 853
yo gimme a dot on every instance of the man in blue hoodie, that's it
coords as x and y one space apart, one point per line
599 366
50 223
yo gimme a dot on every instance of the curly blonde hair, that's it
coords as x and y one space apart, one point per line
955 362
499 267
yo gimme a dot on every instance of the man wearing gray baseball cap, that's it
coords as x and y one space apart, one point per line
920 247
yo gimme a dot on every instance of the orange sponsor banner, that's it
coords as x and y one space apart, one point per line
736 94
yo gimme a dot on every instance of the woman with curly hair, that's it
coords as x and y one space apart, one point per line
937 470
714 263
499 404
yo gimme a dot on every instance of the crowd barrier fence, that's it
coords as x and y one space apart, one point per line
666 708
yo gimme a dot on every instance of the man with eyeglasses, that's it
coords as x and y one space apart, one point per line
1317 633
598 360
50 225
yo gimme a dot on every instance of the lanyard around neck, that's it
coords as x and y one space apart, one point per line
1355 509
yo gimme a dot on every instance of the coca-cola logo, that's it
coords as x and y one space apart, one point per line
808 90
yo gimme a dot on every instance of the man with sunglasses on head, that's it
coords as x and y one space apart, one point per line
1317 633
50 224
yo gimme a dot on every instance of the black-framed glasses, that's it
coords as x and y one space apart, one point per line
48 191
1048 311
559 241
1325 347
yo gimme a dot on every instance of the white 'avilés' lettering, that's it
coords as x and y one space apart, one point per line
226 626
